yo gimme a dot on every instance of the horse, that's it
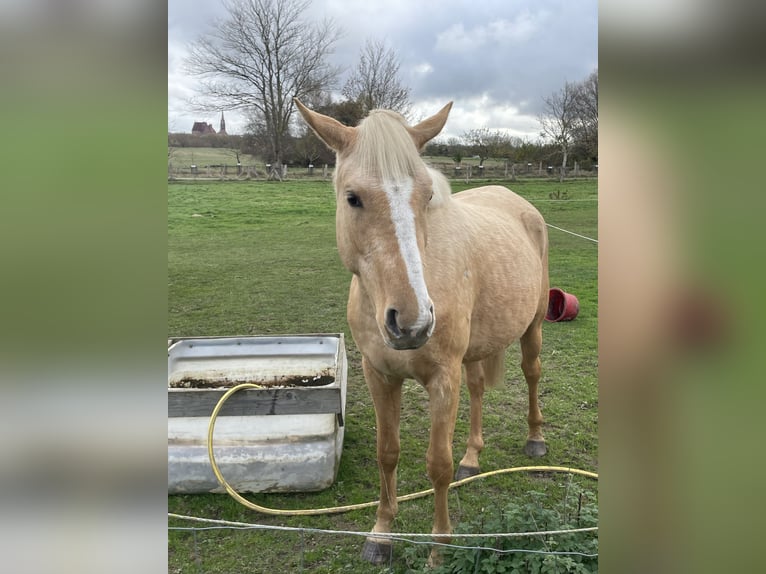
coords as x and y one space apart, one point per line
440 283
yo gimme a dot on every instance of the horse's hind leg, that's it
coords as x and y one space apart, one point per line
531 345
469 465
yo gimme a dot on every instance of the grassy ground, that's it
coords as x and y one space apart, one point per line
260 258
202 156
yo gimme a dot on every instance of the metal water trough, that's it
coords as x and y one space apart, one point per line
284 437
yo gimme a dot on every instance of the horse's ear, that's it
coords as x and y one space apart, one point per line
429 128
333 133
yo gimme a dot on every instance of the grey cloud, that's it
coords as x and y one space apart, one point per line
513 53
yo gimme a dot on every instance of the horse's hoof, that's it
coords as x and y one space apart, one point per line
466 471
535 448
377 552
434 560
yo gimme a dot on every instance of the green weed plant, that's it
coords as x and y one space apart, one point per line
575 553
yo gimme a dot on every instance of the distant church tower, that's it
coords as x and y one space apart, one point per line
222 131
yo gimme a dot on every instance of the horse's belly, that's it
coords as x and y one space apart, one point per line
494 328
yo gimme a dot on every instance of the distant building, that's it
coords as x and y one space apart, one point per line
222 131
201 128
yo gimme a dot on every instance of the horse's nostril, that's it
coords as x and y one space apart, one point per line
391 322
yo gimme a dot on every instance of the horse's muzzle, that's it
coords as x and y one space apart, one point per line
402 338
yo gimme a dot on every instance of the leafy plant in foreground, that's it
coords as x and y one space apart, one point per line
574 553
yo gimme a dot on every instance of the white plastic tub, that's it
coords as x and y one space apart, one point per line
284 437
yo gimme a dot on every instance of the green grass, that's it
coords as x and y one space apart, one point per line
202 156
260 258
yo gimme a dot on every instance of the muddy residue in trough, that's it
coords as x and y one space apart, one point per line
192 381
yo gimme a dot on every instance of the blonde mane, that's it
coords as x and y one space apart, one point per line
441 187
385 148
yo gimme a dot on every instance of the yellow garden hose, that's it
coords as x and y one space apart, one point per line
339 509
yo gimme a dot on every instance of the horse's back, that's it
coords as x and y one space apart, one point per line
494 197
495 206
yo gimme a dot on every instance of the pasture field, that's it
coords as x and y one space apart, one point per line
202 156
260 258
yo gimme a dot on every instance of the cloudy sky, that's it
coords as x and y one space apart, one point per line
496 59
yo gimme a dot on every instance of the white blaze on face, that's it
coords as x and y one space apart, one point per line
399 195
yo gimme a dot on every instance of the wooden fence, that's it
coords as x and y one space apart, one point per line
466 171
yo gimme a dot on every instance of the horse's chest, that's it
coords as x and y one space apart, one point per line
393 363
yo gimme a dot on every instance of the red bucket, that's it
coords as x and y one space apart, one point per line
562 306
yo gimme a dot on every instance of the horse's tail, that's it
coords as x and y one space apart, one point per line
494 369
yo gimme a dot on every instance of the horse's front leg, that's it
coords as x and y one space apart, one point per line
386 395
443 395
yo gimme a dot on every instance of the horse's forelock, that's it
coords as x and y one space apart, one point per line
385 148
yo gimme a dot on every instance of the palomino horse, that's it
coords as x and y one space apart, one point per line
439 281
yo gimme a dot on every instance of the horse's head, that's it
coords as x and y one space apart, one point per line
383 190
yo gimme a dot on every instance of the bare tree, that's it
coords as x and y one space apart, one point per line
586 105
375 82
487 143
308 147
261 55
559 121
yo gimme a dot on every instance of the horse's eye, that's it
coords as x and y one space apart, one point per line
353 199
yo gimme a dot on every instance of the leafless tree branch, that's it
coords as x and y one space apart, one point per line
571 115
260 56
375 82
